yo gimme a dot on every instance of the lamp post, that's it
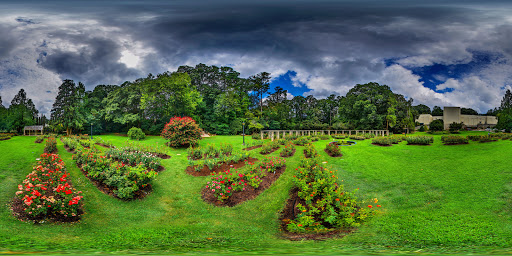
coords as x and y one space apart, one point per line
91 131
243 133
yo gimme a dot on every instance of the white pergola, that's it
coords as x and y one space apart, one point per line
33 130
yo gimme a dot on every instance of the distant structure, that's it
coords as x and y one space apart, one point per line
33 130
452 114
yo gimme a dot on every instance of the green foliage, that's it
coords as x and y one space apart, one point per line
323 137
256 136
181 132
136 134
436 125
339 136
301 141
47 192
356 137
39 139
453 139
419 140
422 128
147 160
505 113
269 147
69 108
325 205
437 111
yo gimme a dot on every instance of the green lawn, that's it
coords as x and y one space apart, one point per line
436 199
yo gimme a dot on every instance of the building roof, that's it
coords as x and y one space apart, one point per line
33 128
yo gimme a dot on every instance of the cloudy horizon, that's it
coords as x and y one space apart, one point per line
444 53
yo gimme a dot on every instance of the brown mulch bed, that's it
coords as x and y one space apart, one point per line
224 167
69 150
36 142
17 207
271 151
290 211
54 152
109 190
381 145
253 147
8 139
293 153
331 155
241 196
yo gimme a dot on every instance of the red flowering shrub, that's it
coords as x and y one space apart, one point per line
47 193
181 132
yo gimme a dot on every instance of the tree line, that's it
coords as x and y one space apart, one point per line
219 100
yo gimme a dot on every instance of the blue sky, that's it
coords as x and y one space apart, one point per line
445 53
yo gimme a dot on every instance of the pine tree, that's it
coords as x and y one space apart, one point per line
63 109
505 113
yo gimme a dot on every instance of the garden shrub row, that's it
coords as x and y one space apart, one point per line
51 145
288 150
310 151
253 144
47 193
5 136
301 141
269 147
125 181
211 163
324 205
454 140
383 141
209 151
133 158
419 140
222 186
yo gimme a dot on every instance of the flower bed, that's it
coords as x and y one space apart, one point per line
333 149
115 178
210 151
301 141
133 158
51 145
234 186
206 166
454 140
39 139
5 136
382 141
310 151
269 147
355 137
319 204
419 140
47 193
254 145
288 150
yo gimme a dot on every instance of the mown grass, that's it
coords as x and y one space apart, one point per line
436 199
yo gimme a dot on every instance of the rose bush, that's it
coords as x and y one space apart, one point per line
181 132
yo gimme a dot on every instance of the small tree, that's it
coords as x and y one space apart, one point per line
436 125
455 127
181 132
136 134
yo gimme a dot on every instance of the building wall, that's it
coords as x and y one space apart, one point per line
451 115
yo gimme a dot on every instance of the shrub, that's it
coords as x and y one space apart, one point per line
39 139
256 136
47 191
125 179
453 139
455 127
487 138
301 141
419 140
51 145
289 150
436 125
474 137
136 134
269 147
356 137
333 148
339 136
134 158
291 137
224 184
384 141
422 128
314 138
324 204
310 151
323 137
181 132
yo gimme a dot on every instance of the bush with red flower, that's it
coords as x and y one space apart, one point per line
47 193
181 132
324 204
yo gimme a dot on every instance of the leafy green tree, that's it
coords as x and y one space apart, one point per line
21 112
122 105
437 111
468 111
3 117
436 125
261 84
68 110
422 109
505 113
